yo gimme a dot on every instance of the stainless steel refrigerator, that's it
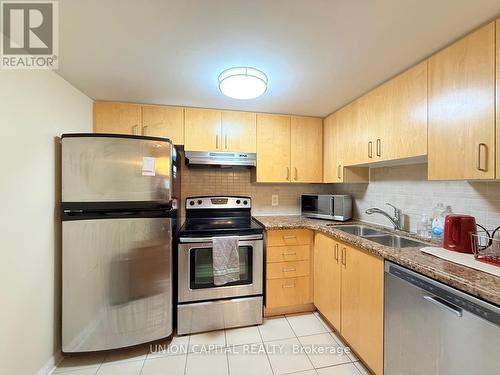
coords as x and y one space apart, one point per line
119 213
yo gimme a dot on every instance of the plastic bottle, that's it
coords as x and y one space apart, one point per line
424 227
438 220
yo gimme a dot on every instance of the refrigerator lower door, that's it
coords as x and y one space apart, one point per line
117 283
98 168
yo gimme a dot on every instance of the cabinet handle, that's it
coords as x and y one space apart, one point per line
288 285
379 147
144 129
337 252
479 147
296 173
217 141
344 257
338 172
370 149
133 129
289 237
288 173
285 254
225 141
289 269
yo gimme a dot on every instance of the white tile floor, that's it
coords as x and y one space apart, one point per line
299 344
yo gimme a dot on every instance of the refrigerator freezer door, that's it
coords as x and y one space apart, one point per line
116 169
117 283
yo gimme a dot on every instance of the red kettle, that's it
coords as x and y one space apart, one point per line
457 229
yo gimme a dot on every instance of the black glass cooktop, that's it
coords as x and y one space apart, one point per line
220 226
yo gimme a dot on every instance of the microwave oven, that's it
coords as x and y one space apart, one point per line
330 207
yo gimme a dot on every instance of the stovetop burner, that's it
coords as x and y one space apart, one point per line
216 216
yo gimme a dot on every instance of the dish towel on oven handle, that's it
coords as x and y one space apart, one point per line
226 260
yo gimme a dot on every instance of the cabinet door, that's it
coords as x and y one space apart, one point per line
202 130
330 164
273 148
160 121
239 131
362 311
498 99
327 278
407 136
462 108
369 109
117 118
306 149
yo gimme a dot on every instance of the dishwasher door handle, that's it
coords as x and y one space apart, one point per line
444 305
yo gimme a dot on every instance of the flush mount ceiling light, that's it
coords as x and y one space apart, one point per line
242 83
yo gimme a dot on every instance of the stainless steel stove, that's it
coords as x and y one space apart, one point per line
203 306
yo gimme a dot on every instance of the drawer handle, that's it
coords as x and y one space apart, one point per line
344 257
337 252
288 286
289 269
289 237
285 254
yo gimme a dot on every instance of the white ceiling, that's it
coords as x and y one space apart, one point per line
318 54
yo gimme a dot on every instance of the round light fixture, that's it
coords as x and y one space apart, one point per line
242 83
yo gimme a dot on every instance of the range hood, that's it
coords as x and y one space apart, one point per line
221 158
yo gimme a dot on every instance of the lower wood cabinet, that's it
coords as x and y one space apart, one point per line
349 293
289 273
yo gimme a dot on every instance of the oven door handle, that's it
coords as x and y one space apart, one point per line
209 239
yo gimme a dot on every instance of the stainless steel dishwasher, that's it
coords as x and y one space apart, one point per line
433 329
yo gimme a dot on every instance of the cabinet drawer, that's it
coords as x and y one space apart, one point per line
288 292
288 269
289 237
287 253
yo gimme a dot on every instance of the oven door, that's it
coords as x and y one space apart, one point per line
195 272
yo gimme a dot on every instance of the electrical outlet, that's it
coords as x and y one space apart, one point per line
274 200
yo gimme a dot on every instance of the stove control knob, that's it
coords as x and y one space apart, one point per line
245 202
238 201
191 203
199 201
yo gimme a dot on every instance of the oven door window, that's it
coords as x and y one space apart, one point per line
201 273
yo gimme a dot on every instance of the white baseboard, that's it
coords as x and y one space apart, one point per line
50 365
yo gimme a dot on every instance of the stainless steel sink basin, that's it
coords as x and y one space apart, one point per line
359 230
395 241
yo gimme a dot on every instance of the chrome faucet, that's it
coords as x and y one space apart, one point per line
395 220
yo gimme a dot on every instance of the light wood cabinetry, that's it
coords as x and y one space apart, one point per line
327 278
202 129
289 283
306 151
349 293
362 301
238 131
498 100
273 148
163 121
117 118
462 108
136 119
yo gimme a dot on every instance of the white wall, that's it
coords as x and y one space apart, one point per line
35 108
407 187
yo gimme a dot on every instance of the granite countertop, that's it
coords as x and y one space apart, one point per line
474 282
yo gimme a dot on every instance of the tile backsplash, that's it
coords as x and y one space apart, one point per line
404 186
407 187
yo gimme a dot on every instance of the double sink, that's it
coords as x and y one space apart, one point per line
380 237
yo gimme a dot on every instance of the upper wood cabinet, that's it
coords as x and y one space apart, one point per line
239 131
117 118
163 121
214 130
273 148
327 278
498 99
202 129
339 140
306 149
462 108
